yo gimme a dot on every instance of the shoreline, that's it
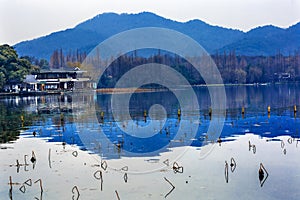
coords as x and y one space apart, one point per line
127 90
132 90
33 93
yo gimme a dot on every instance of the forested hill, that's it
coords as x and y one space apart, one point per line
267 40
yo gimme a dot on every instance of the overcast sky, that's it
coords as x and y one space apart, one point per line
27 19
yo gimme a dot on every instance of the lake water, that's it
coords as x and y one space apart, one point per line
82 149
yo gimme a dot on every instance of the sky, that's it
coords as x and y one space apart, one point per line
27 19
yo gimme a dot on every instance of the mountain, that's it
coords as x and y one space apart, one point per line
90 33
265 40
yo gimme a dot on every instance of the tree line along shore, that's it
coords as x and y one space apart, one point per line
234 69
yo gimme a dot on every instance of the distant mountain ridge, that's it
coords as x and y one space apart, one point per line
266 40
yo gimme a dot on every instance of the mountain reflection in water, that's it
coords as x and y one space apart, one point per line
59 118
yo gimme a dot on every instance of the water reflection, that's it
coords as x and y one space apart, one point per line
260 152
58 118
253 118
14 117
78 118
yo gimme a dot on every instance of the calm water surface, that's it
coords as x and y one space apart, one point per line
83 151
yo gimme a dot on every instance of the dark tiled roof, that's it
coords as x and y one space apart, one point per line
64 69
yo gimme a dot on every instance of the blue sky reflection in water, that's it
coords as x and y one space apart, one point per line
281 121
275 137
